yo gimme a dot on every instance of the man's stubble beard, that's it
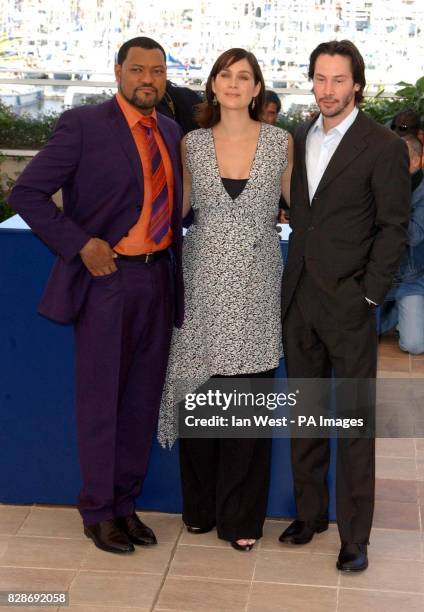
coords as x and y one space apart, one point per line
140 104
339 110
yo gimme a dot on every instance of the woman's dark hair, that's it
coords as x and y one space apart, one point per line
141 41
207 114
347 49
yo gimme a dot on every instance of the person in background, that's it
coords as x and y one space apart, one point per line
117 277
271 107
404 304
179 104
406 122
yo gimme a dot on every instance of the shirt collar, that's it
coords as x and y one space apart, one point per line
134 116
341 128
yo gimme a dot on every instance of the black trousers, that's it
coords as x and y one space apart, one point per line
316 343
225 481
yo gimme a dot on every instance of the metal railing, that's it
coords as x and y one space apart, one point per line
371 89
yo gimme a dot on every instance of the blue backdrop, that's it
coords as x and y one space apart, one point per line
38 454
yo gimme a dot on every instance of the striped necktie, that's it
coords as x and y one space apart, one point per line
159 219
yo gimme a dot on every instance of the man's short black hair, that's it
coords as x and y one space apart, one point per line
140 41
272 97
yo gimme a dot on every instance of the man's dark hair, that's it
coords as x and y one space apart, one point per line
405 122
272 98
347 49
140 41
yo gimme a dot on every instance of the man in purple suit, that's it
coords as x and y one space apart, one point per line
117 277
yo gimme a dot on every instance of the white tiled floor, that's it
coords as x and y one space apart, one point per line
43 548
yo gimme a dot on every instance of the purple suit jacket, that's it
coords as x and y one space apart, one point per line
92 156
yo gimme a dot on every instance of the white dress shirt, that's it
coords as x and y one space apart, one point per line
320 147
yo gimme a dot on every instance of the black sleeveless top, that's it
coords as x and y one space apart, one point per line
234 187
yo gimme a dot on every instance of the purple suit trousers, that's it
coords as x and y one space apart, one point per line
122 339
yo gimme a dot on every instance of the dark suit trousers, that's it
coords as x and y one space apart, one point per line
225 481
317 342
122 339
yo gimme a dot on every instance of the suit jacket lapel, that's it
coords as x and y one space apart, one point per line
125 139
351 145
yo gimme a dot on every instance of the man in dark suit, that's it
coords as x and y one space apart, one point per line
117 277
349 213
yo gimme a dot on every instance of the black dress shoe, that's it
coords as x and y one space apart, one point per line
107 536
242 547
136 531
353 558
302 532
199 530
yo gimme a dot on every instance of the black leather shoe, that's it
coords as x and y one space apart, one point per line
302 532
136 531
242 547
353 558
199 530
107 536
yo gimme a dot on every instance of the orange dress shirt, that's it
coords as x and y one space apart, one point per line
137 241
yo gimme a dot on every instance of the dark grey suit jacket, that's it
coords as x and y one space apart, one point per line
352 235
